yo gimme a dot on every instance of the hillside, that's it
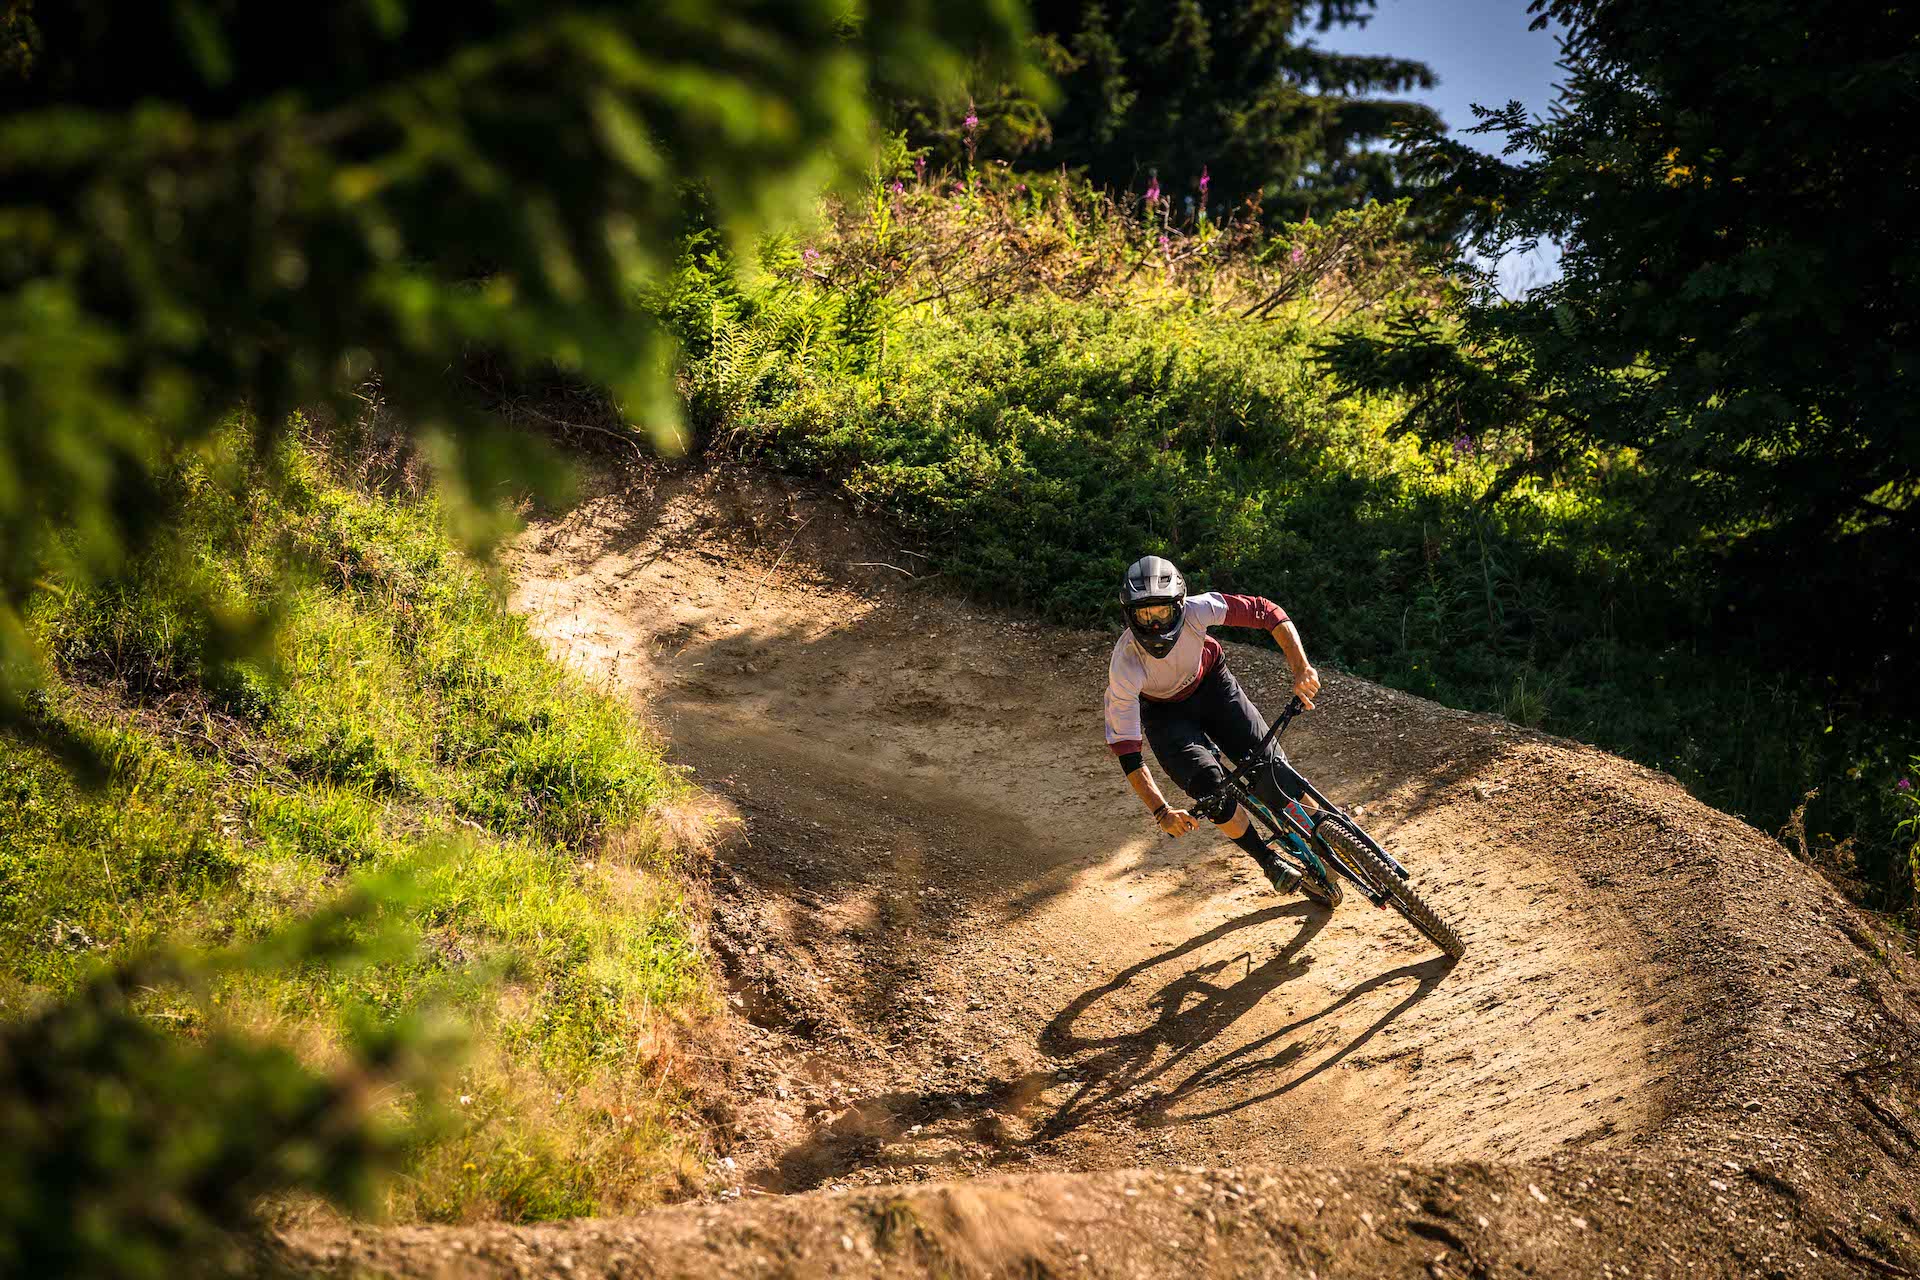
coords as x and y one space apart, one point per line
989 1024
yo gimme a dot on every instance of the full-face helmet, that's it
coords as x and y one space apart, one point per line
1153 596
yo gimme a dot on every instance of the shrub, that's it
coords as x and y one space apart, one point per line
140 1131
396 721
1036 445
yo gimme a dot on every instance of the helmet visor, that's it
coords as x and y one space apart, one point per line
1157 616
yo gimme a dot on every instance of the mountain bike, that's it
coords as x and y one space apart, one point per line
1326 842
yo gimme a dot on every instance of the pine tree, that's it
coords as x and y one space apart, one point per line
1168 88
210 204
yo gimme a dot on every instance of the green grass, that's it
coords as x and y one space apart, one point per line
399 722
1038 446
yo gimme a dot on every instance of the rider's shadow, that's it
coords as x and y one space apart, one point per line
1189 1013
1262 1058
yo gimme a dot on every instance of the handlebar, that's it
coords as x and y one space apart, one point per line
1293 708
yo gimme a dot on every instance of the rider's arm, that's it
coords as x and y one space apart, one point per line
1172 821
1306 681
1264 614
1124 740
1142 783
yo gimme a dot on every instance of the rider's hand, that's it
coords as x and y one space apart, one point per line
1176 822
1306 684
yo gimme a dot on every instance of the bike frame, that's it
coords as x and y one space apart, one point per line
1241 779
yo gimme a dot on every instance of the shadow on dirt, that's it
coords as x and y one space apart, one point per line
1277 1051
1193 1012
1112 1078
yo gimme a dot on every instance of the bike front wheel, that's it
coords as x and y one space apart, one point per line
1357 849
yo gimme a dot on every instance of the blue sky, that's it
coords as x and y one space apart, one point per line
1480 51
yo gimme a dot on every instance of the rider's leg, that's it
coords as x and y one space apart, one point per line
1182 747
1236 824
1236 724
1280 873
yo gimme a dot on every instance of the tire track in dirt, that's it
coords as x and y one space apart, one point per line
961 950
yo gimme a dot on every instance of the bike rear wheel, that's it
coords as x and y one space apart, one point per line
1357 849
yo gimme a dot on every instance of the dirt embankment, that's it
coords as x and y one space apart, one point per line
994 1023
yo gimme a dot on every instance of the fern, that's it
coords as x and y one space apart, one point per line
741 360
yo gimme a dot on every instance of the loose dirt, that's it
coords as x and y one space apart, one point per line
961 956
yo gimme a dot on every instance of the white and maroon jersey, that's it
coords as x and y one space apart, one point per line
1134 673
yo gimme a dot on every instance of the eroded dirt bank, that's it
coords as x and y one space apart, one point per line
960 952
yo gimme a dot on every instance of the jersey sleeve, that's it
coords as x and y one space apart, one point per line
1253 611
1123 703
1208 609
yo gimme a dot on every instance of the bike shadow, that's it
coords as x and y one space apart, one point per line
1123 1076
1247 1061
1190 1014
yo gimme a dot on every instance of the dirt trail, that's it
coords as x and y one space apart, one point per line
959 949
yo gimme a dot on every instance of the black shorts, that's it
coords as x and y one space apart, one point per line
1216 715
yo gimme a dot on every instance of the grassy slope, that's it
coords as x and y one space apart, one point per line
405 723
1039 446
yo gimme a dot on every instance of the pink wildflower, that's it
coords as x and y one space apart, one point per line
809 253
972 121
1905 784
1153 190
896 186
1204 180
1297 255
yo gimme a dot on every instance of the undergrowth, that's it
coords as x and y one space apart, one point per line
400 722
1039 438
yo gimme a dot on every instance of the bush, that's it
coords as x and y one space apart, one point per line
140 1131
396 720
1037 445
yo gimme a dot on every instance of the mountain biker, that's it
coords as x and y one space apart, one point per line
1168 683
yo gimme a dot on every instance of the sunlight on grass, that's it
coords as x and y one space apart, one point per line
402 721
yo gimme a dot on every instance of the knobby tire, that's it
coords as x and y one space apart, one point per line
1355 849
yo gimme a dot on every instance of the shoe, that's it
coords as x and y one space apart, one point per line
1281 875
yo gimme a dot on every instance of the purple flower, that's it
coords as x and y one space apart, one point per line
1165 247
896 186
1020 189
1463 446
920 167
1153 190
1299 253
1905 784
1204 180
809 253
972 121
